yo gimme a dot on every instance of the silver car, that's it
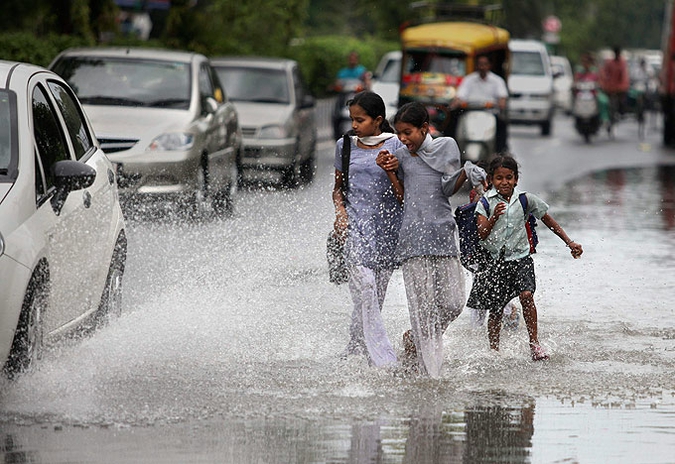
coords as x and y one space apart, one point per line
277 117
163 119
62 240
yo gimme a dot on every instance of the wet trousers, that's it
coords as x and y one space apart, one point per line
434 286
367 333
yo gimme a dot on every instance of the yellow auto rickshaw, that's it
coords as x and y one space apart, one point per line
437 55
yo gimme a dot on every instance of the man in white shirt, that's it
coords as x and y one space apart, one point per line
485 87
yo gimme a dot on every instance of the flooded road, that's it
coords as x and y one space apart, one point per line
228 349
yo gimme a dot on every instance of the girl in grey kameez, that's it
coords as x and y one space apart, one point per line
368 217
428 244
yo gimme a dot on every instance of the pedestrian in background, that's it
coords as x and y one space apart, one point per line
431 171
510 273
368 217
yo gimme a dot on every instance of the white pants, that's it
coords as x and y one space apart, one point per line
367 332
436 296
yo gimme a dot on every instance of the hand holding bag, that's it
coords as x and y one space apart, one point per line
337 267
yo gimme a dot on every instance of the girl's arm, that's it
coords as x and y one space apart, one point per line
552 224
389 163
341 219
485 224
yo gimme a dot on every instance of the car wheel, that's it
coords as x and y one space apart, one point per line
223 200
111 300
28 337
546 128
200 196
308 168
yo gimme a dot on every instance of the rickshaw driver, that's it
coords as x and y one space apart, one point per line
484 86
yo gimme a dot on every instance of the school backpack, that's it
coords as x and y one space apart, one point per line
471 254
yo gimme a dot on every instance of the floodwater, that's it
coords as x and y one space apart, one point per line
229 350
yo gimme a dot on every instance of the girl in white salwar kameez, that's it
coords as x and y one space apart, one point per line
431 171
368 217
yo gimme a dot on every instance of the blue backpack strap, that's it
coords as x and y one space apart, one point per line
486 205
523 201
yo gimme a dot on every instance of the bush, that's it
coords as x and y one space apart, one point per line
22 46
322 57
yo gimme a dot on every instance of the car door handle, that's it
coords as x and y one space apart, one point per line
86 199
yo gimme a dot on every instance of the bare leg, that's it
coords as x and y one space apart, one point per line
530 316
494 327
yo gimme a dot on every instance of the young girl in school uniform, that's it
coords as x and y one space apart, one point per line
431 171
510 273
368 217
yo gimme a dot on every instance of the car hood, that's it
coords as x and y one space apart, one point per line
530 84
139 123
262 114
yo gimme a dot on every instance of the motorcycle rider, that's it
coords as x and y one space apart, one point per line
354 70
486 87
615 81
588 73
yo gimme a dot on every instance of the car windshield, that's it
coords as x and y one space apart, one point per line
527 63
426 61
126 82
254 84
6 133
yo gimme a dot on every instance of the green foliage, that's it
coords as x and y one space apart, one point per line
23 46
321 58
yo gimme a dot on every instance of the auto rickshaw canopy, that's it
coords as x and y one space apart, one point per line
467 37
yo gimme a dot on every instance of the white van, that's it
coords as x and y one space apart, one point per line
530 85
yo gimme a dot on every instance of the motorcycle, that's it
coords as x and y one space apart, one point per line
346 89
476 132
585 109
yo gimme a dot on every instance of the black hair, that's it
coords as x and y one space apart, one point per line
503 161
374 106
413 113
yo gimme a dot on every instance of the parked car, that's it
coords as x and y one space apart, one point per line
62 239
563 81
530 85
277 116
386 81
163 119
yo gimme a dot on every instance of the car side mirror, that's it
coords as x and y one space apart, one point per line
70 175
209 105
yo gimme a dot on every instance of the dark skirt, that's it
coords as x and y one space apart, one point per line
501 282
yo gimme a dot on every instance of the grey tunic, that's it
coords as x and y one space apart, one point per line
428 227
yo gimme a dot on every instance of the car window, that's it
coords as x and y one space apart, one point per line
48 135
77 128
7 131
207 86
127 82
299 86
392 71
254 84
527 63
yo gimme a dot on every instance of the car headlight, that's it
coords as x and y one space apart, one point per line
272 132
172 141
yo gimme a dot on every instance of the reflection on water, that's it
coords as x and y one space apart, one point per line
625 198
495 428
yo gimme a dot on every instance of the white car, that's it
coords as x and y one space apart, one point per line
387 81
163 119
530 85
277 117
62 240
563 81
